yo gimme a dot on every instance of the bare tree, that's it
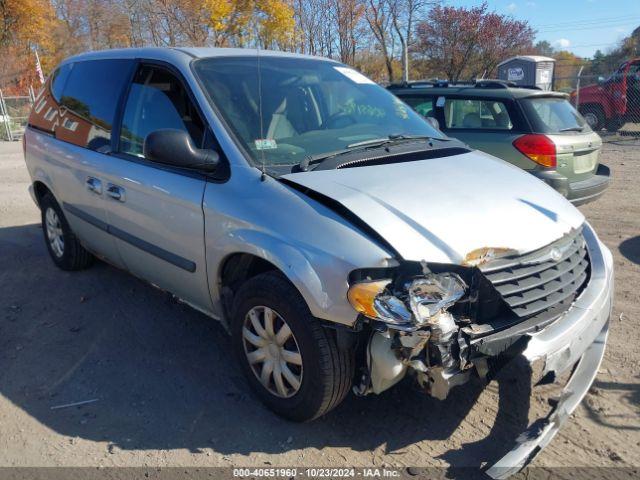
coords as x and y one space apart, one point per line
379 19
347 16
403 16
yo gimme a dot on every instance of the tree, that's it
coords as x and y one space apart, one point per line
24 22
466 42
25 25
347 15
267 23
544 48
403 14
379 19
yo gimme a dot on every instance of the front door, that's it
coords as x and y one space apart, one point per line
155 211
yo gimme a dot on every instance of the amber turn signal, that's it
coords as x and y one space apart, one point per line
362 295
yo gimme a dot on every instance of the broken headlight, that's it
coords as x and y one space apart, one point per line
433 293
420 299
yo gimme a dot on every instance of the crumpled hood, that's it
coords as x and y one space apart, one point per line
443 209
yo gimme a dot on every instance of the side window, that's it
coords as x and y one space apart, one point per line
422 105
89 100
59 79
476 114
157 99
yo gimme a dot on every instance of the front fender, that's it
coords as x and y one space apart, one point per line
320 277
313 246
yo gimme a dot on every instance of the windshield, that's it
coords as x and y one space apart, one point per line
554 115
308 108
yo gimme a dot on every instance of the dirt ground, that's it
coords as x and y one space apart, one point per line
167 392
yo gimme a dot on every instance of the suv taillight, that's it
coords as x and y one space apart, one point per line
538 148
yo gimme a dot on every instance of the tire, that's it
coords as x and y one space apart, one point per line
613 125
68 253
325 373
594 117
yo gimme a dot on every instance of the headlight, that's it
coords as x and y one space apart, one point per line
424 297
372 300
434 292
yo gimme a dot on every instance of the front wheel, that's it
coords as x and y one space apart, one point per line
594 117
291 361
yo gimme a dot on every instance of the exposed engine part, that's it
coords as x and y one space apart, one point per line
386 369
414 331
438 381
443 336
432 353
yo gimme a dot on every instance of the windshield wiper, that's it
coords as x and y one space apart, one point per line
365 145
399 138
572 129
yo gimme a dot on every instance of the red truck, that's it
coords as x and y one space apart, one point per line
613 101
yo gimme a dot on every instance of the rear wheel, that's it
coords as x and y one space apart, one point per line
594 116
291 361
63 246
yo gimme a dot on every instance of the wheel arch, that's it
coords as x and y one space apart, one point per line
237 268
40 189
320 278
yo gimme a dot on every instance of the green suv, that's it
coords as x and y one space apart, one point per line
538 131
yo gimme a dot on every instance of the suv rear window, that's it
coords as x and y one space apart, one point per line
460 113
554 115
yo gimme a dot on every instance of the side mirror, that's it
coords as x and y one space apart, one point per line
433 122
175 147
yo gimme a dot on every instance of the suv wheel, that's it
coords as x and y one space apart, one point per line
594 117
65 249
291 361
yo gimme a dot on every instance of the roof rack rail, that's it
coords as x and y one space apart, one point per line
480 83
497 83
419 84
492 83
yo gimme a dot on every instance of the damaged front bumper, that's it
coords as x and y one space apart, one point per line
577 339
441 359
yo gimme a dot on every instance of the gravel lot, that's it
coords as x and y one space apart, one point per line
169 394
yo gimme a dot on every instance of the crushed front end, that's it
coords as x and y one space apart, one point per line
447 323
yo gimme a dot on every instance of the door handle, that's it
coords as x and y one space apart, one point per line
94 185
115 192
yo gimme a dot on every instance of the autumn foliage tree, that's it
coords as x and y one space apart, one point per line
462 43
23 26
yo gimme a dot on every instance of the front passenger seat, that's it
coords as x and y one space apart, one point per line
472 120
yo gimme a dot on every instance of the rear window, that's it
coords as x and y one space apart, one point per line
460 113
554 115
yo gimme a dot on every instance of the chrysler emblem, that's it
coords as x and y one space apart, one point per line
555 254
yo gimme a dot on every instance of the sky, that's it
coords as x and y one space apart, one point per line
580 26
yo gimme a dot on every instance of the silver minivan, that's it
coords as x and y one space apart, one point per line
342 240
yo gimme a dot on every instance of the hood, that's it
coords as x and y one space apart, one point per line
448 209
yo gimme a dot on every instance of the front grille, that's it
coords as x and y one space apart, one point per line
537 282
